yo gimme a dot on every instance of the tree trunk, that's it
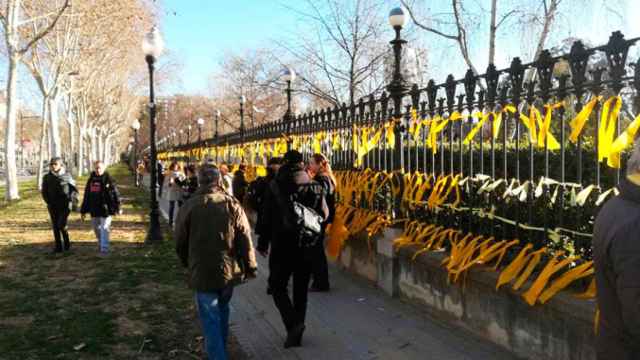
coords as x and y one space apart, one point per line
11 169
81 134
41 158
100 153
492 32
107 151
92 149
54 127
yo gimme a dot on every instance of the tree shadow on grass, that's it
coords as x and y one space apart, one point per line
112 305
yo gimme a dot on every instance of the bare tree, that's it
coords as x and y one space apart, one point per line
344 51
16 46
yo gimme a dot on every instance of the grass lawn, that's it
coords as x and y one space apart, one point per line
133 304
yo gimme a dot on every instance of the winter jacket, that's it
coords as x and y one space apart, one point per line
329 194
293 182
239 185
172 184
189 187
227 182
616 252
213 239
59 190
101 196
255 200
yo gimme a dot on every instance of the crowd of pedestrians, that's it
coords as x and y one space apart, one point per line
293 204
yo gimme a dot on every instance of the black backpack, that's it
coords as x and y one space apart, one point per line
298 219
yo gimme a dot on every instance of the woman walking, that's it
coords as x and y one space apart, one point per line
190 184
174 189
321 170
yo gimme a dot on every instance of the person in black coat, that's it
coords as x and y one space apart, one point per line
190 183
616 254
321 170
287 257
101 201
240 183
59 193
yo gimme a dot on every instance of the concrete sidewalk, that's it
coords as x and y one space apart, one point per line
354 321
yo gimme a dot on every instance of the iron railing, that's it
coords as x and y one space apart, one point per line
548 211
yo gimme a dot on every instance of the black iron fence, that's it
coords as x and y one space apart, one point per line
528 152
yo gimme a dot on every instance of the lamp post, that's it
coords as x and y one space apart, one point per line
152 46
242 101
200 122
135 126
181 139
289 76
398 86
189 134
173 138
215 134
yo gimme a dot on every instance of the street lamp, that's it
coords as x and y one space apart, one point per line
135 125
200 122
242 101
189 134
289 76
152 47
215 134
182 137
398 86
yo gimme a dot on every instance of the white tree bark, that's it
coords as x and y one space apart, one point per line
11 169
54 124
41 152
10 21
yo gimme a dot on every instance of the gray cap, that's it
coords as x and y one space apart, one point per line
208 174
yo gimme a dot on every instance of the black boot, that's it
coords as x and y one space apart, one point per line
294 336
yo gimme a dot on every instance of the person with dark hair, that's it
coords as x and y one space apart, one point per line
616 255
59 193
255 200
227 180
321 170
190 183
213 240
174 189
101 201
290 247
240 183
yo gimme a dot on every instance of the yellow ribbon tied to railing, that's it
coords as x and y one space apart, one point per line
577 124
625 139
606 131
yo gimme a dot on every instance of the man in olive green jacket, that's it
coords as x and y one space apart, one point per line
213 240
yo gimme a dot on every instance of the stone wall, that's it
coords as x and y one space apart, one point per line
561 329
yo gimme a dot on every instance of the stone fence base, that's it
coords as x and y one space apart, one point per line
561 329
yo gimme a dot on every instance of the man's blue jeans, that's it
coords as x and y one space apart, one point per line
213 309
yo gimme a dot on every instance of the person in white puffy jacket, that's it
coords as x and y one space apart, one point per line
173 183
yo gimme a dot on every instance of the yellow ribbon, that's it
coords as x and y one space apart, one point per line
577 124
606 132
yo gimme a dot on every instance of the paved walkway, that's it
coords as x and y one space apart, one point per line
354 321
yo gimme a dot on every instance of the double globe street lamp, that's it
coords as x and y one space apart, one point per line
152 47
